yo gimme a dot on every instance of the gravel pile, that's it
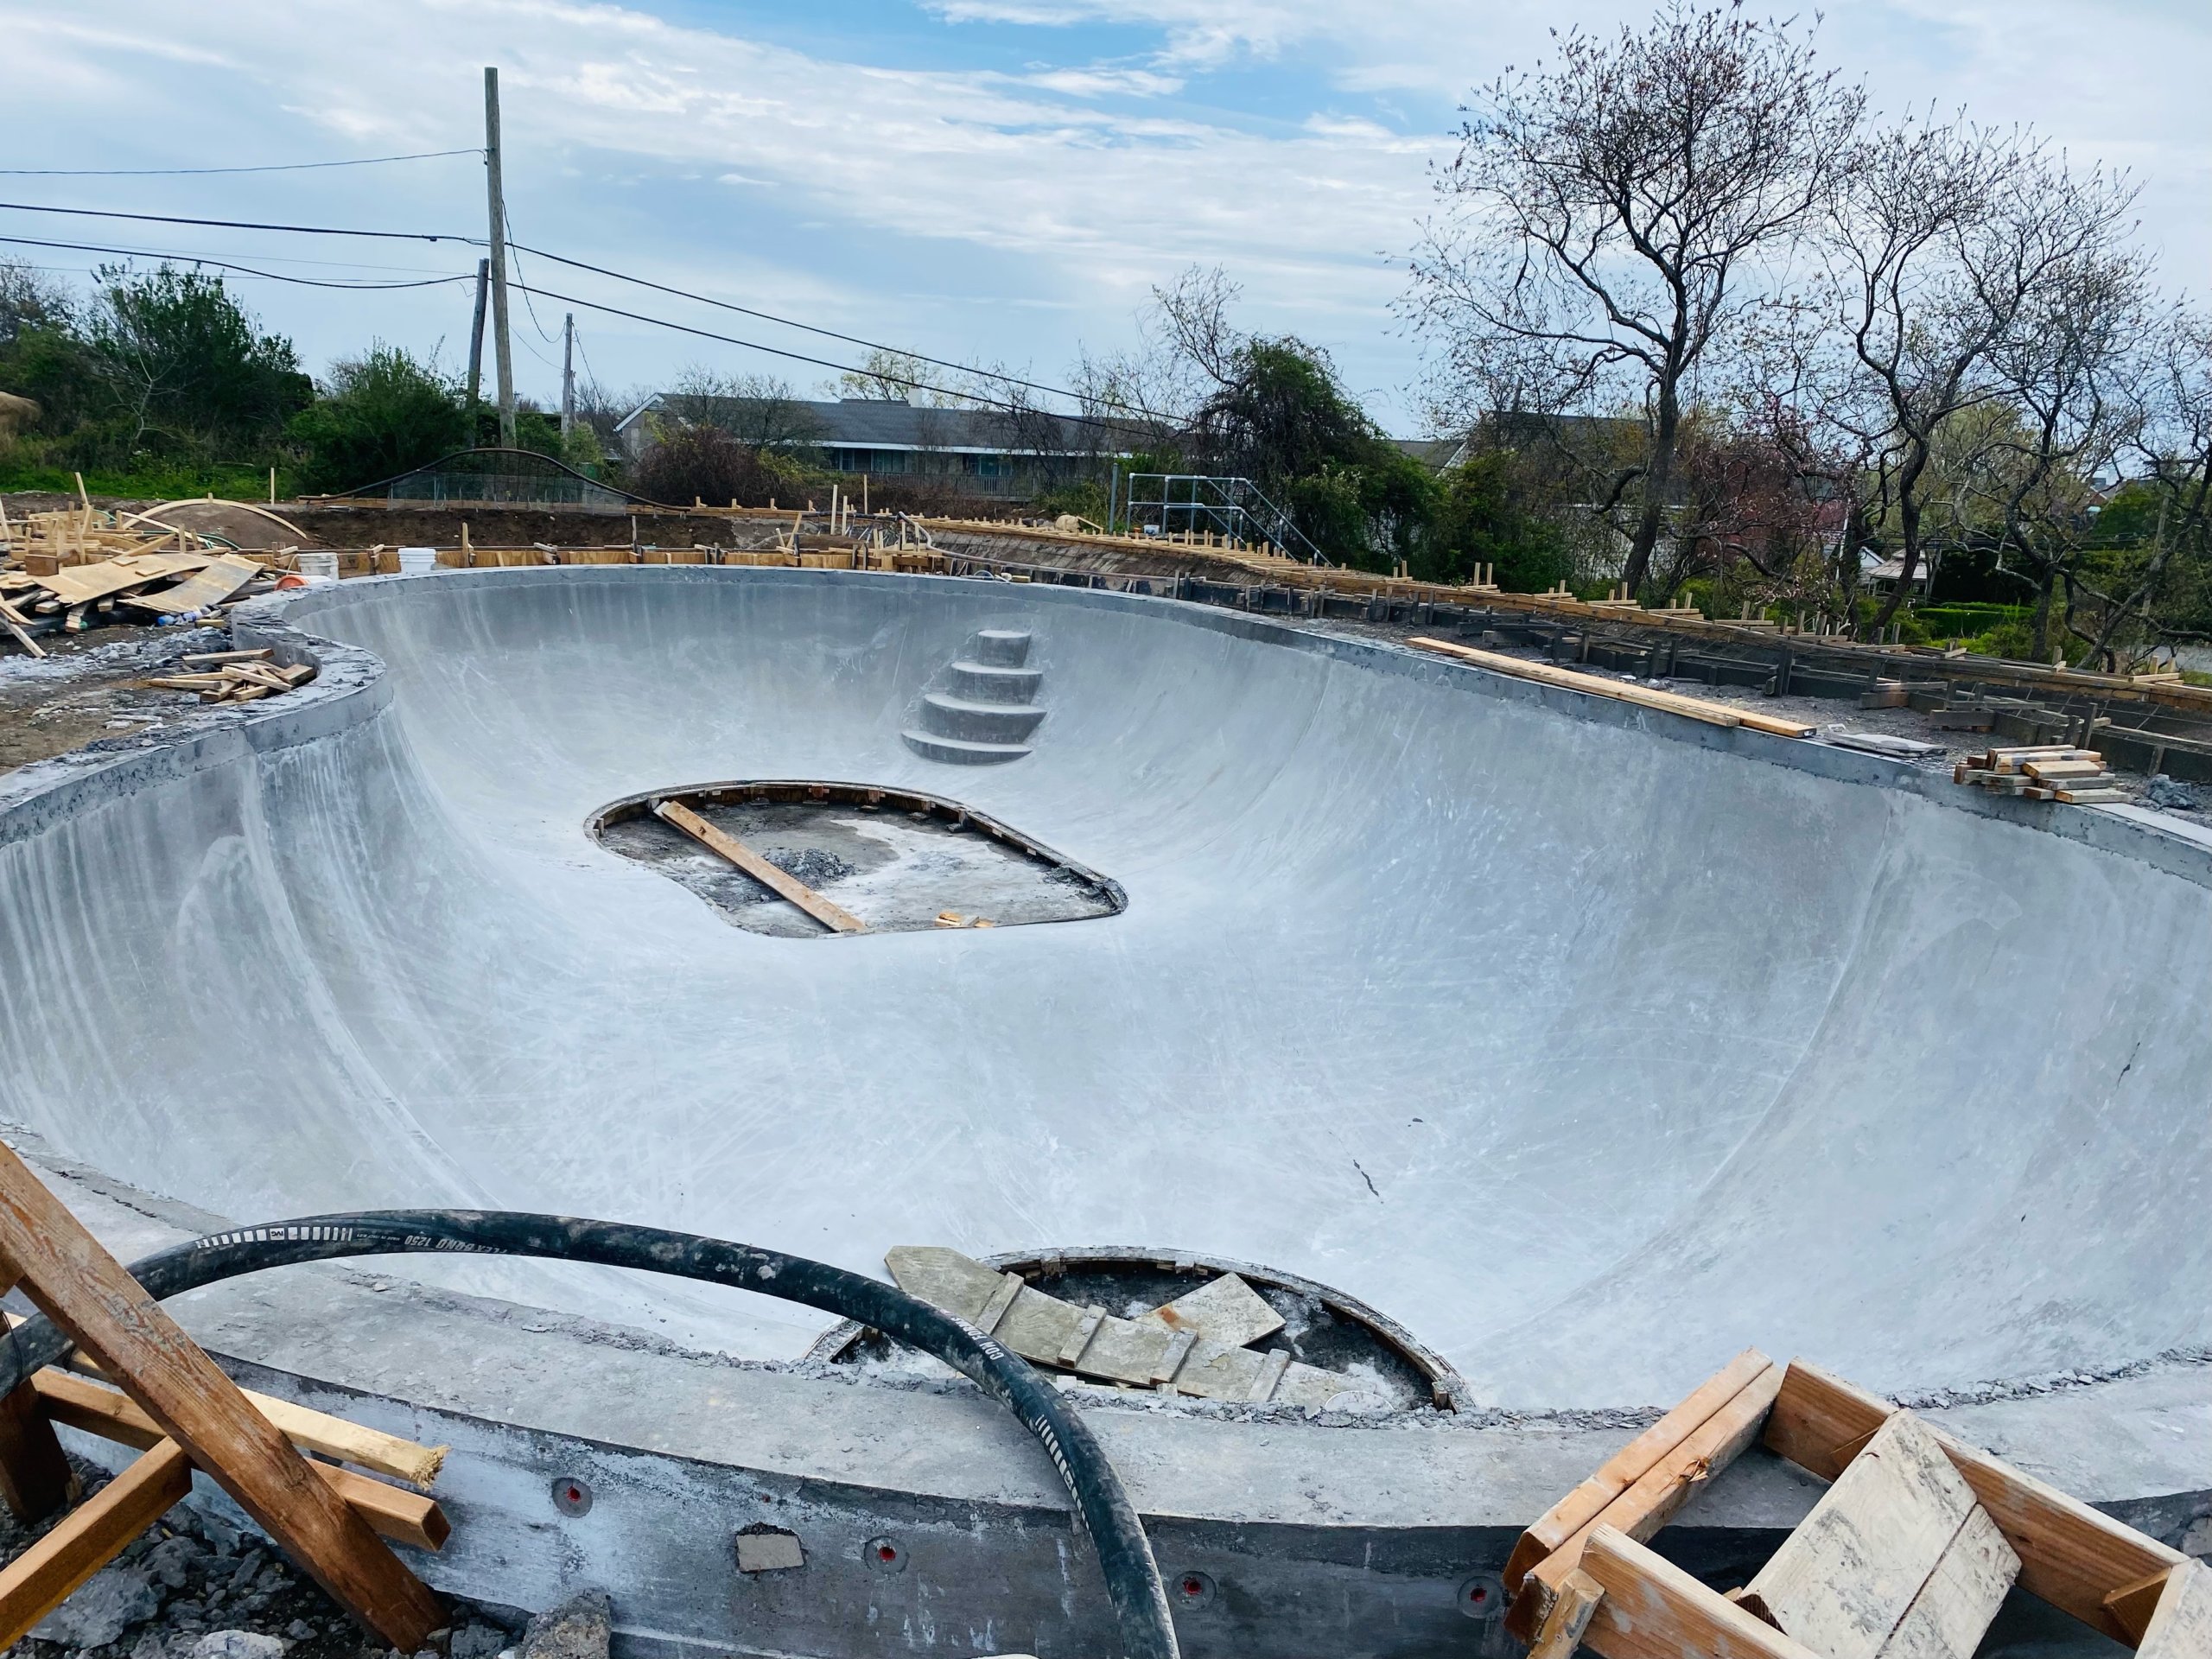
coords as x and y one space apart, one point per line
193 1586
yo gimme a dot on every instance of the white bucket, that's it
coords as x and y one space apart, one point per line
417 561
316 568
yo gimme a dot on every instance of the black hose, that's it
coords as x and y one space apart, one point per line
1124 1554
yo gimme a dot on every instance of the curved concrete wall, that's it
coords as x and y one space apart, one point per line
1589 1045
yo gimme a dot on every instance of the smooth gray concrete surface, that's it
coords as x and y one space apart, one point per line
1585 1048
1589 1044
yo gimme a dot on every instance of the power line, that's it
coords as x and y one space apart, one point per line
202 172
818 362
679 292
239 224
828 334
227 265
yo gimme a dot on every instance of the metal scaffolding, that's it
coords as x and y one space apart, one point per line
1236 508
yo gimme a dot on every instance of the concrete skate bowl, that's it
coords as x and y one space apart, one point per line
1591 1044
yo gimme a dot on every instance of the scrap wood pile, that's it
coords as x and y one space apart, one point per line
86 564
235 677
2056 772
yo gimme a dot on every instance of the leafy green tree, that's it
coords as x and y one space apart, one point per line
379 413
43 356
185 366
1486 518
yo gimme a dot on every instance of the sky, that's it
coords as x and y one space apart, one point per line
993 182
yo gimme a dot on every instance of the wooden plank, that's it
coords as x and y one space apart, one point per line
1851 1575
1629 1464
2182 1626
1572 1610
2071 1555
1647 1504
1715 714
404 1517
2132 1605
222 578
1819 1421
310 1430
1653 1610
1954 1609
34 1478
830 915
101 1308
89 581
1224 1310
40 1578
17 625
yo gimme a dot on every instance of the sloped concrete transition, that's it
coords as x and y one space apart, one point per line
1587 1046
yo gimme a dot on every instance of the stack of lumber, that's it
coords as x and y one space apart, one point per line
143 585
2053 773
235 677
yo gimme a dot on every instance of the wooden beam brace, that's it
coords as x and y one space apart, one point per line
1571 1610
1653 1610
100 1307
830 915
2071 1555
2180 1625
34 1478
40 1578
401 1517
1631 1464
318 1431
1664 1488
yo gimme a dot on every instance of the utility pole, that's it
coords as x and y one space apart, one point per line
499 260
568 376
476 345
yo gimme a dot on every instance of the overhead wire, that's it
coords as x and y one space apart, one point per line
239 224
228 264
914 383
642 282
204 172
828 334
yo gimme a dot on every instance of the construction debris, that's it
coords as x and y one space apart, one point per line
235 677
86 566
2053 772
1197 1345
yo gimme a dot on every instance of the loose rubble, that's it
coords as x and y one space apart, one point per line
194 1586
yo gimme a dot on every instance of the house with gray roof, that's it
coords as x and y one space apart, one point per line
991 451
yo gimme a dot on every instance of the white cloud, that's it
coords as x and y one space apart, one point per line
1055 193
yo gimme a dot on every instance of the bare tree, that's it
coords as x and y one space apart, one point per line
2172 445
1944 241
2067 369
1611 215
759 410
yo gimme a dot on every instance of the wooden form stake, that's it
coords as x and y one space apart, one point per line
830 915
101 1309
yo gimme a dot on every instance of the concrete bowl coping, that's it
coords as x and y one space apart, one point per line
1336 1536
